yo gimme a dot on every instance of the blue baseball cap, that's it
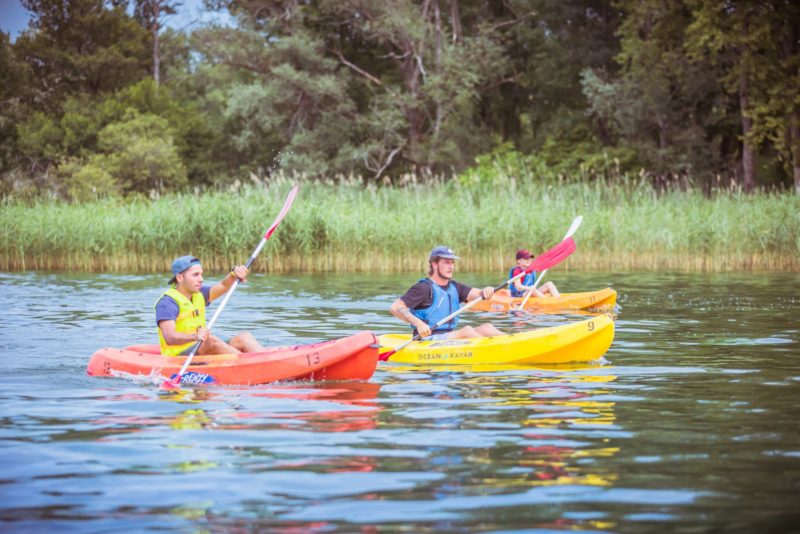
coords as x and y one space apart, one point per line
442 252
181 264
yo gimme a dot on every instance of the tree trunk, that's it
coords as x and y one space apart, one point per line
437 27
455 20
412 111
795 149
156 51
748 150
413 69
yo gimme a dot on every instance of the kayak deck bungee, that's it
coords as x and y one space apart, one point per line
350 358
502 301
581 341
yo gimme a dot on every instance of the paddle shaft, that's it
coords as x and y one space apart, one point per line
286 205
572 229
530 292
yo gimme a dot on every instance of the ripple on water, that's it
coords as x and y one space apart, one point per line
692 412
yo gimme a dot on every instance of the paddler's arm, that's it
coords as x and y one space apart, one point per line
486 293
402 312
519 285
522 288
224 285
173 337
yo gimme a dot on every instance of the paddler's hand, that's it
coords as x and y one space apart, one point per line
423 329
240 272
487 292
201 334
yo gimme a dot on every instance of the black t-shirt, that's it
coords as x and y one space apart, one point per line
420 295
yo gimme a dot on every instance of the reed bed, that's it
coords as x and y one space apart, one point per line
345 226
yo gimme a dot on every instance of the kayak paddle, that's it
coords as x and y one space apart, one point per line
545 260
175 381
572 229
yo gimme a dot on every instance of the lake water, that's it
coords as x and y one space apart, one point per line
691 424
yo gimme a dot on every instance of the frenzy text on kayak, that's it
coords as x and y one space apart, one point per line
196 378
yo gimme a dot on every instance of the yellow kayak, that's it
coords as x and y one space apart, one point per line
502 301
581 341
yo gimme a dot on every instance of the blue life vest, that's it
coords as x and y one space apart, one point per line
526 280
444 303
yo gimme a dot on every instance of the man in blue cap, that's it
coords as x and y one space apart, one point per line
181 312
432 299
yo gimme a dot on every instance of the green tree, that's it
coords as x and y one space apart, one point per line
140 154
362 86
79 47
191 120
282 97
550 47
87 180
662 102
13 87
748 41
775 98
152 14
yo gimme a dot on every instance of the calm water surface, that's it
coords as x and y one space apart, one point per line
691 425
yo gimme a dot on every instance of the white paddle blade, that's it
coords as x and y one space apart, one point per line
574 228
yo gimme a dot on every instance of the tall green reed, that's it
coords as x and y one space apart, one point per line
345 226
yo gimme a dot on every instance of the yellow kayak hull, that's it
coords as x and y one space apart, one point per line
502 301
581 341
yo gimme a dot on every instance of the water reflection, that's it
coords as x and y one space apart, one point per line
339 407
523 427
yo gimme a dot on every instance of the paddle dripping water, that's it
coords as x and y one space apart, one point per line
691 425
174 381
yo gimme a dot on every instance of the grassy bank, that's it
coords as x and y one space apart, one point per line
347 227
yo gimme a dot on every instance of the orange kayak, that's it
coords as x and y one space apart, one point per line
502 301
349 358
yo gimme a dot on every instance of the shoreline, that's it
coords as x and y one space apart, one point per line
585 261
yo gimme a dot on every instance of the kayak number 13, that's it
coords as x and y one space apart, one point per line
312 359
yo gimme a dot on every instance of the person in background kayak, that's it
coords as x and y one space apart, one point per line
525 283
181 312
434 298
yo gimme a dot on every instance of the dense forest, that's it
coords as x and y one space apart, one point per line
102 98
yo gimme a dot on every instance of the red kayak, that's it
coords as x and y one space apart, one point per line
349 358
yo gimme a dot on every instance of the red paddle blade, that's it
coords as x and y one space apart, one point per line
552 257
385 355
172 383
286 205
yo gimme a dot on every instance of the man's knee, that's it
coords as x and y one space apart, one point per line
242 337
245 342
488 330
215 345
467 332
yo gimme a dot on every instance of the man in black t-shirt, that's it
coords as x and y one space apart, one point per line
432 299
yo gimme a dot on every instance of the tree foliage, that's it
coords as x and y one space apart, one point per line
99 97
